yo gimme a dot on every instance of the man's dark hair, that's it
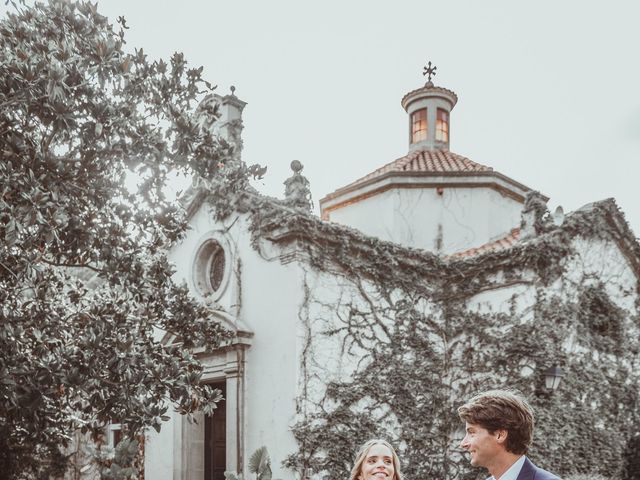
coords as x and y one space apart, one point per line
502 410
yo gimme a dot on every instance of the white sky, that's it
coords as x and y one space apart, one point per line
549 91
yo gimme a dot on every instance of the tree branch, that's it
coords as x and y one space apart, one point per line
72 265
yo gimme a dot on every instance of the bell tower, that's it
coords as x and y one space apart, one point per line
429 109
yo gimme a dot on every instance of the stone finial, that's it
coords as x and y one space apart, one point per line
296 189
534 216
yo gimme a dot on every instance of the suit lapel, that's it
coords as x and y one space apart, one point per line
528 471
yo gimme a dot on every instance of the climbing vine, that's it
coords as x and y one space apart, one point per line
403 341
413 378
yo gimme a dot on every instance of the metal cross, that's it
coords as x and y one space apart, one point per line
429 71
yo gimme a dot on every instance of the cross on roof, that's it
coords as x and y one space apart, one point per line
429 71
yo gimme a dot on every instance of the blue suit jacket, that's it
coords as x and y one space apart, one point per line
530 472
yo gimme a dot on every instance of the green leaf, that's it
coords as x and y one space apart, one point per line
258 460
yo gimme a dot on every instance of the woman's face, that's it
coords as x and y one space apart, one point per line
378 464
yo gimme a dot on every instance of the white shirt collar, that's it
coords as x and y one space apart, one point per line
513 471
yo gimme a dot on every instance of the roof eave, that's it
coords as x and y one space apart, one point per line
396 179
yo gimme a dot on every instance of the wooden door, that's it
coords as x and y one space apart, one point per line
215 439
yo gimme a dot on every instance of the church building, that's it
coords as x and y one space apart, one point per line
410 277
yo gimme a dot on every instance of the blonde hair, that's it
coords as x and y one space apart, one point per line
362 455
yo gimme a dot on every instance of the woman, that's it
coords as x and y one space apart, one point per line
376 460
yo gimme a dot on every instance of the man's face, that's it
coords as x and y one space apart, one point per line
484 447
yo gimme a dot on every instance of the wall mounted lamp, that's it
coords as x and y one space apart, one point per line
552 377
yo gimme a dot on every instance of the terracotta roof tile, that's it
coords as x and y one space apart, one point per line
500 244
425 161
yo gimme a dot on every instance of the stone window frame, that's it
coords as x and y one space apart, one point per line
206 250
114 430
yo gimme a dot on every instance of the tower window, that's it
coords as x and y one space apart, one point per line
419 125
442 125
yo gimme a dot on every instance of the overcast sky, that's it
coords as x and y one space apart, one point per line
549 91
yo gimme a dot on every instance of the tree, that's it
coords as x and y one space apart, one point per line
84 277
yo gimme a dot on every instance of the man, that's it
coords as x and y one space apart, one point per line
499 427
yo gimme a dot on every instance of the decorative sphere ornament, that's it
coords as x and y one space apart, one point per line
296 166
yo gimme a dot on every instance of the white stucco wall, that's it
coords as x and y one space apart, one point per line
271 298
264 295
467 217
159 451
324 358
289 306
373 216
519 297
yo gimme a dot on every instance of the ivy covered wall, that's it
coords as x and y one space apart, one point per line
392 340
396 364
392 352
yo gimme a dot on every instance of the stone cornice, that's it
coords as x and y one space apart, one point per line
398 179
426 92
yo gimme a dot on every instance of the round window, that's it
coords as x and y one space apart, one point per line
210 269
216 267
